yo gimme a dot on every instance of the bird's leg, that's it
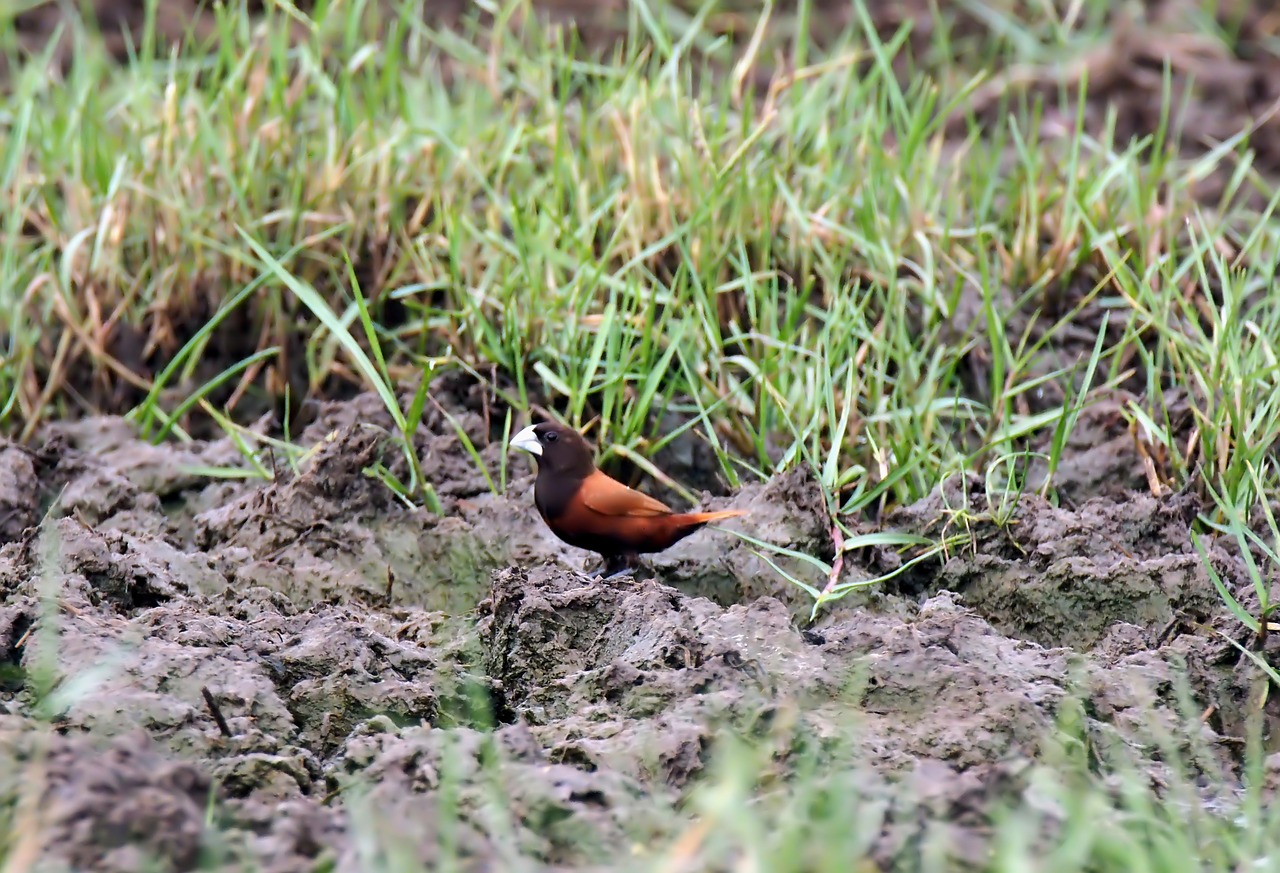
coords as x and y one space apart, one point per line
615 566
618 565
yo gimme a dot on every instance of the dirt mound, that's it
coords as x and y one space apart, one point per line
1063 576
110 805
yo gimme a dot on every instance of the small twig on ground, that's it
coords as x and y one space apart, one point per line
1167 631
215 711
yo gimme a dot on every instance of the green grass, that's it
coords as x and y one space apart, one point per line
848 270
804 271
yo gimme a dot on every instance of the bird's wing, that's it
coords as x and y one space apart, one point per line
610 497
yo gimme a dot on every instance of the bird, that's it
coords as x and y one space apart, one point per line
587 509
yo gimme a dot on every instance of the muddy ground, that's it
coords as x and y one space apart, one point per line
372 663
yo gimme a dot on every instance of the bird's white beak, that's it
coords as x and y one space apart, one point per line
527 440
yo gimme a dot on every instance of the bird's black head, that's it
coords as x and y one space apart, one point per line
558 449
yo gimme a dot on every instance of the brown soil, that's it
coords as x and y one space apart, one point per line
372 663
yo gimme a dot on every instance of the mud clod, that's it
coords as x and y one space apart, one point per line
122 807
789 511
1065 577
19 492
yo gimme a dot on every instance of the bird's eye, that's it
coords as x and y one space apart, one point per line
552 437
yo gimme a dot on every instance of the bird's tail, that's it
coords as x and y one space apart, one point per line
708 517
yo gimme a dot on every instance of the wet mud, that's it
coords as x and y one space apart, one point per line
263 674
